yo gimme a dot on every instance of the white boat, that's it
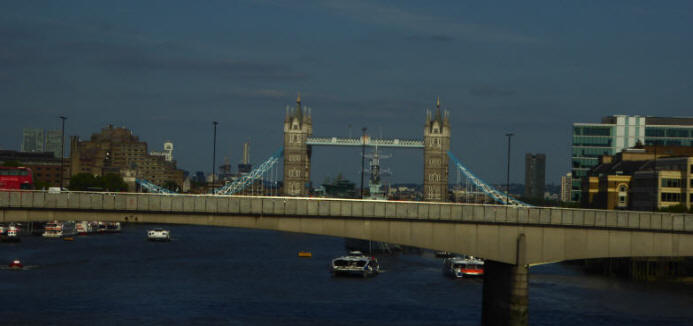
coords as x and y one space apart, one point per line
467 266
355 263
84 227
108 227
11 233
158 234
56 229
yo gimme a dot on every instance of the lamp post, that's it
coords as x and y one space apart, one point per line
214 152
62 151
507 180
363 155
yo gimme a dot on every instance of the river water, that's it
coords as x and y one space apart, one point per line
226 276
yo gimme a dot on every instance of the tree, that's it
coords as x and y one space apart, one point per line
88 182
113 182
11 163
83 182
170 185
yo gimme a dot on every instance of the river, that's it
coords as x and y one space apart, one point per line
226 276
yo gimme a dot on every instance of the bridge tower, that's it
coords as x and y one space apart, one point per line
436 146
298 126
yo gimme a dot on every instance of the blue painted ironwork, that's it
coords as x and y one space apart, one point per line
490 191
255 174
150 187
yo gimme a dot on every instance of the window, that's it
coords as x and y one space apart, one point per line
671 197
654 132
671 183
597 131
677 133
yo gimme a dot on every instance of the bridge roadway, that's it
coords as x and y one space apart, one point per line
510 238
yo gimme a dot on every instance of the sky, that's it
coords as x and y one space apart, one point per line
167 69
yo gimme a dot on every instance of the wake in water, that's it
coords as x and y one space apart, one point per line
24 268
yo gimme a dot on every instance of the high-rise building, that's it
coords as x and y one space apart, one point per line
535 175
54 142
32 140
566 185
615 133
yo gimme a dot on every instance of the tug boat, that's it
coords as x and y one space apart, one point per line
355 263
467 266
16 264
159 234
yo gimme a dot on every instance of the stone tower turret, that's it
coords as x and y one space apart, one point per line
298 126
436 146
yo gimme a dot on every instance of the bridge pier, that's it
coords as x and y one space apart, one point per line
506 290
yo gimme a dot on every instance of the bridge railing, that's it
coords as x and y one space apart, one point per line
349 208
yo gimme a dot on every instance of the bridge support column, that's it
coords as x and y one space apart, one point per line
506 291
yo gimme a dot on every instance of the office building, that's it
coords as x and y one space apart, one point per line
54 142
535 175
616 133
566 186
32 140
641 178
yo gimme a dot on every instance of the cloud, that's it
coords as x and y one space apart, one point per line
421 23
488 91
431 38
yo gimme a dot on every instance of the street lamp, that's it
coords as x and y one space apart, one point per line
507 180
214 152
363 155
62 151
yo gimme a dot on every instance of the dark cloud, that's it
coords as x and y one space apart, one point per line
490 92
431 38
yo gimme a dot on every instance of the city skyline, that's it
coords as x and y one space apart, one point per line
166 70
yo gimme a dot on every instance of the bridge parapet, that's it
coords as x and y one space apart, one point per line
329 207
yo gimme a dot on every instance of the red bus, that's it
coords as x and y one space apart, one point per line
16 178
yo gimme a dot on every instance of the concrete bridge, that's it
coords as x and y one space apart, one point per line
510 238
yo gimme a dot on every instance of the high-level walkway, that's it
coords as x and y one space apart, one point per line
510 238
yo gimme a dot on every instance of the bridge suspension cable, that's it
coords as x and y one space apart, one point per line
152 188
256 174
475 184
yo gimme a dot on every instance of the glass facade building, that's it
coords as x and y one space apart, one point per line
54 142
618 132
32 140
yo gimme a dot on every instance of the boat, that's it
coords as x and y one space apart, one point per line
355 263
3 229
84 227
56 229
305 253
158 234
11 233
113 227
466 266
444 254
16 264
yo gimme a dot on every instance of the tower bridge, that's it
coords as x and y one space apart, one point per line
299 141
